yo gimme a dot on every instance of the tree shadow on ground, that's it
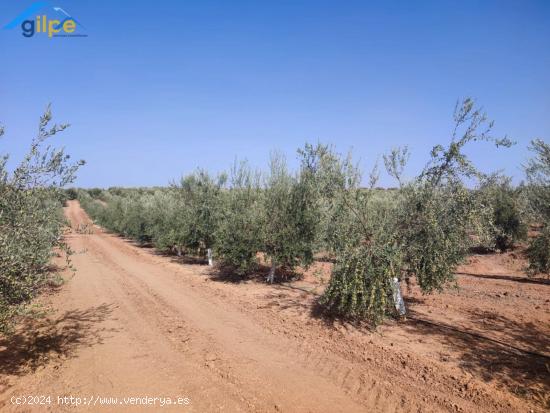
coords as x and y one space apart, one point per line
513 354
229 275
526 280
259 275
181 259
520 361
280 299
307 301
36 341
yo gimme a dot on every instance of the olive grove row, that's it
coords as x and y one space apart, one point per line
424 228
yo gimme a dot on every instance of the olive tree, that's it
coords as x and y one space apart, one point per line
538 189
332 180
367 251
161 215
31 220
288 221
537 171
200 197
395 163
424 233
502 217
439 211
237 236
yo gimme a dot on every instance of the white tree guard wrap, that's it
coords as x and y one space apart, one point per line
209 254
271 276
398 298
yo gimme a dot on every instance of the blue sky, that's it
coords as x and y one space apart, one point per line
160 88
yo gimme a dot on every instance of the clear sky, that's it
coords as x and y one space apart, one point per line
159 88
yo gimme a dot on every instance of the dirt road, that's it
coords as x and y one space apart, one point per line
131 323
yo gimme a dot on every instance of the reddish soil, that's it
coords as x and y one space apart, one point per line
133 323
